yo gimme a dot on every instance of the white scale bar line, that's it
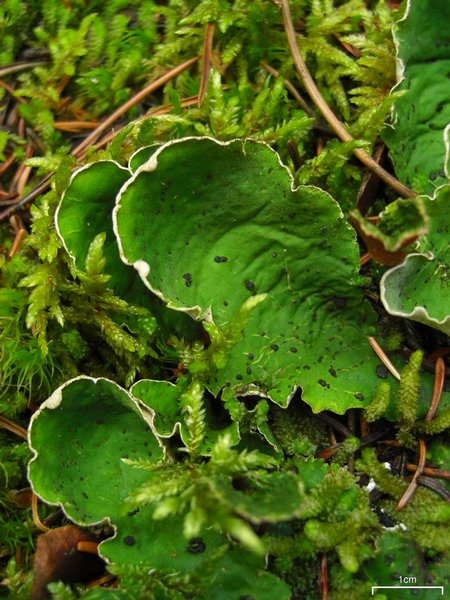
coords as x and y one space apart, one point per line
408 587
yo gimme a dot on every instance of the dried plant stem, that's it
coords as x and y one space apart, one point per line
430 471
34 512
434 485
326 111
8 162
292 90
13 427
382 356
207 51
153 86
18 67
80 150
413 484
75 126
154 112
439 378
20 235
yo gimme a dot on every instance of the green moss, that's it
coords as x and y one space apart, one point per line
57 322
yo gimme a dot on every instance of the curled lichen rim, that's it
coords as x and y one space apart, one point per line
142 267
61 202
419 313
54 402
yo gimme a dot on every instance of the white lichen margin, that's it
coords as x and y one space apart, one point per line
419 313
141 266
72 177
52 403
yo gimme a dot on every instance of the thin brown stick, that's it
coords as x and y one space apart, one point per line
75 126
327 453
207 52
294 154
8 199
167 108
413 484
22 171
41 187
23 179
364 259
382 356
434 485
292 89
335 423
363 425
79 151
439 378
430 471
151 87
326 111
36 519
13 427
8 162
154 112
19 67
10 91
19 237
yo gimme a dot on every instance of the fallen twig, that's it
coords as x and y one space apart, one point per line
79 150
430 471
207 51
19 67
13 427
413 484
382 356
326 111
439 378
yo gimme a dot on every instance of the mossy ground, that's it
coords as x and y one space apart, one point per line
67 66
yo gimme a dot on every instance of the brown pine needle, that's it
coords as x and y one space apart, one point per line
8 162
13 427
150 88
207 51
382 356
75 126
292 90
434 485
18 239
36 519
439 378
154 112
430 471
326 111
413 484
18 67
80 150
11 92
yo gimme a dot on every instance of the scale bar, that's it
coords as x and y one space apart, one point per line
408 587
